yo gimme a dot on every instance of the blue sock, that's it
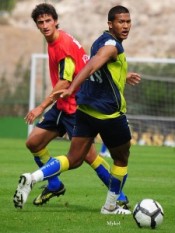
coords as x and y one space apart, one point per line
122 197
103 148
53 182
103 174
38 161
114 185
51 168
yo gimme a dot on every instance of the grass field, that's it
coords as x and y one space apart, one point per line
151 175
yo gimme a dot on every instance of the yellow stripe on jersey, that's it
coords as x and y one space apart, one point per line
92 112
67 72
118 71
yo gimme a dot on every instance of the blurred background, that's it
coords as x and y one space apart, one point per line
150 49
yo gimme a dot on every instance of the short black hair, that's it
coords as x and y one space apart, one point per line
44 8
116 10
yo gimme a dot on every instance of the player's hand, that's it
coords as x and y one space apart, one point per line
133 78
60 94
33 114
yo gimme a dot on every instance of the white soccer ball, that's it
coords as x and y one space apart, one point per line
148 213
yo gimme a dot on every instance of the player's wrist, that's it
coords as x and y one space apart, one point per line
51 99
42 107
46 103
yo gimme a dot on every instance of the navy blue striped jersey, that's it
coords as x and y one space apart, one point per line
101 95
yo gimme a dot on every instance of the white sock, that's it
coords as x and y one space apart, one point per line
110 203
37 176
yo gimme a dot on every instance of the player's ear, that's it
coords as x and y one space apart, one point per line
37 24
110 24
56 24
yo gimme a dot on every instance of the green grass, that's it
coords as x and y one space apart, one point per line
14 124
151 175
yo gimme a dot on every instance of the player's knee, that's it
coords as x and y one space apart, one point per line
31 145
74 162
121 157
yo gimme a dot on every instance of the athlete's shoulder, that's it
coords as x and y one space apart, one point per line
64 35
111 40
106 39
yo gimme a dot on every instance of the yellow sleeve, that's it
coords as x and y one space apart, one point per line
66 69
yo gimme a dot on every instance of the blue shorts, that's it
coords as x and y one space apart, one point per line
113 132
57 120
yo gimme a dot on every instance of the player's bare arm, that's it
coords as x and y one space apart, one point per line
36 112
104 55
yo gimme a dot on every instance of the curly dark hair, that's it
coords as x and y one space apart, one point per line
44 8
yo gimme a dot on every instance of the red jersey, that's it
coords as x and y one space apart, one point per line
65 46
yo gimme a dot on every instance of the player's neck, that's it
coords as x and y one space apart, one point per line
53 37
113 35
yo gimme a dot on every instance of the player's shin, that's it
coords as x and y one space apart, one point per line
117 180
102 169
50 169
42 157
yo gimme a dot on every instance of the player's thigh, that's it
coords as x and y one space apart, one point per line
116 135
39 138
115 132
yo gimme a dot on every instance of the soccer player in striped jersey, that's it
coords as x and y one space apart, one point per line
101 109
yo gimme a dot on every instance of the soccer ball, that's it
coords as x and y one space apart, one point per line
148 213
